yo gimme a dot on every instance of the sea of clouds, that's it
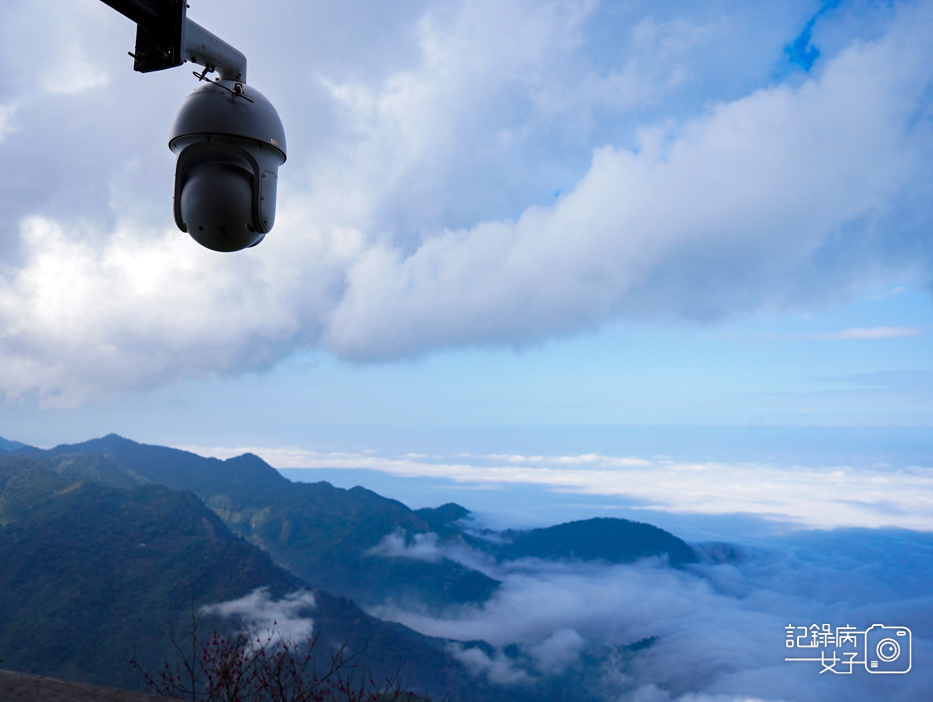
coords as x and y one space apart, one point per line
647 632
778 547
717 628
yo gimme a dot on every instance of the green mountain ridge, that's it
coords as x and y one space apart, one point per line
110 564
600 538
134 535
92 573
327 534
321 533
7 445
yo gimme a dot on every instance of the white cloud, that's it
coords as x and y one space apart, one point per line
74 73
6 120
762 180
417 207
147 308
560 649
872 333
423 547
497 667
818 497
429 547
287 618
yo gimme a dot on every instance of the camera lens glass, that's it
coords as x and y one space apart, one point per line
888 650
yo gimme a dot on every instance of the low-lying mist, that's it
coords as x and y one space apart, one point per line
713 630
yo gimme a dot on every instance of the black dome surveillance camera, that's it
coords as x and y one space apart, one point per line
230 143
228 137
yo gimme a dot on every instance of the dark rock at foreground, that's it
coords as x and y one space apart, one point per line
20 687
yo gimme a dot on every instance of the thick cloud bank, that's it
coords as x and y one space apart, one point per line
813 496
460 173
714 631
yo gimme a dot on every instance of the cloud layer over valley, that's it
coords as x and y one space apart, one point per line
714 631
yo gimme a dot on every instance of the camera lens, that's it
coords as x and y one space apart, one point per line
888 650
216 207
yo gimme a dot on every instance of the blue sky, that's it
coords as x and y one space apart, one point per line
500 223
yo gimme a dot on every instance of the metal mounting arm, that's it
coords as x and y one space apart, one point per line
166 38
210 51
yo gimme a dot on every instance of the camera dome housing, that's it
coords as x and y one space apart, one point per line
230 143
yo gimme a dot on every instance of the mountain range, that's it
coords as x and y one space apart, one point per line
105 543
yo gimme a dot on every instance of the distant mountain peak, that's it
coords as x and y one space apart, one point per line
7 445
443 516
601 538
115 439
248 456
